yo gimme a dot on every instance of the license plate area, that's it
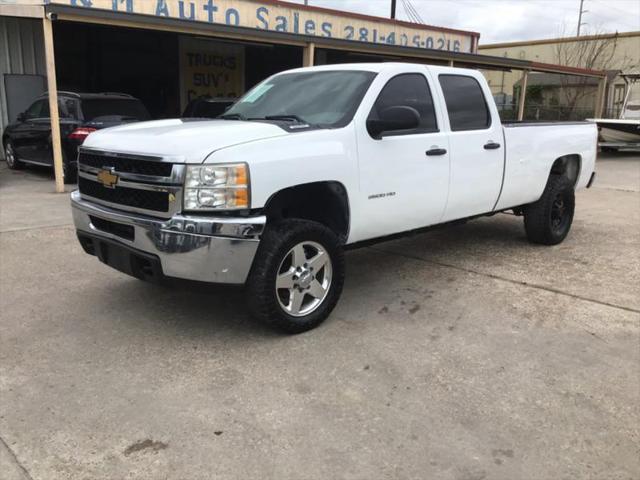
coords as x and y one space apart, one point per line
121 230
122 258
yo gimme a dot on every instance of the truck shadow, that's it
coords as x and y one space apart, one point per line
199 306
182 308
487 234
201 310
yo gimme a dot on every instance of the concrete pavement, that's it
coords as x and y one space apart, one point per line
463 354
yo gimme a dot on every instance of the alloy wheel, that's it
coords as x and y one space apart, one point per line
304 279
9 155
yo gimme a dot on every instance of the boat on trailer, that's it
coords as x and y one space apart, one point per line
622 132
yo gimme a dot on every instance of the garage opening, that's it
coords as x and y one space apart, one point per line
167 71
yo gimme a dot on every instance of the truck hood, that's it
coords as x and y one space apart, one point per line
180 140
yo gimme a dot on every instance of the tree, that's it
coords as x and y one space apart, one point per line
593 52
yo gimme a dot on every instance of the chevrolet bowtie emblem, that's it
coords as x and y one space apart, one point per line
107 178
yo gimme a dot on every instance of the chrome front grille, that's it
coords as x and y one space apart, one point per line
141 184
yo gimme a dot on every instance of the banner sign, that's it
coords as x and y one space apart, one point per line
293 18
210 69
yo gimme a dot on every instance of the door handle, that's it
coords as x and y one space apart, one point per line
436 151
491 145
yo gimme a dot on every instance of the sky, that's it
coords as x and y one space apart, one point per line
507 20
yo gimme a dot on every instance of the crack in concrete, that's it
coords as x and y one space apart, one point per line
617 189
43 227
510 280
15 460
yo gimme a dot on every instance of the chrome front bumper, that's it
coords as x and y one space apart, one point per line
206 249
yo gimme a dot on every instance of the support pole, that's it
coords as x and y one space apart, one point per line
523 94
393 9
308 56
601 97
52 87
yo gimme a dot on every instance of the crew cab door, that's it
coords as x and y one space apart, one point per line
40 137
404 175
476 143
27 133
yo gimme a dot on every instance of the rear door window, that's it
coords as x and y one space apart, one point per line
466 104
408 90
68 107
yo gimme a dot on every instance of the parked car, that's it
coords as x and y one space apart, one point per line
313 161
207 107
28 139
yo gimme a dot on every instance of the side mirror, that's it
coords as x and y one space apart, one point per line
393 119
21 117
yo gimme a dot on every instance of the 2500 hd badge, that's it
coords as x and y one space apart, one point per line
382 195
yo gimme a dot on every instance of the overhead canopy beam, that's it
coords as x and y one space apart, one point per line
22 11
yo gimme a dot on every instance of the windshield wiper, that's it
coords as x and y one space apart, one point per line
291 118
285 118
232 116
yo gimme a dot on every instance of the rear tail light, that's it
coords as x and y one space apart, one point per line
81 133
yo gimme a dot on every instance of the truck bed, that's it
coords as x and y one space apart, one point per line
533 147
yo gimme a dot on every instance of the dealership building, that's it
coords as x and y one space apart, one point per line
169 52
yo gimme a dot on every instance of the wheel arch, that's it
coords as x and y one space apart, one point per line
325 202
568 165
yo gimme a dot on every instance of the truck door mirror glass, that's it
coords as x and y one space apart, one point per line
393 119
21 117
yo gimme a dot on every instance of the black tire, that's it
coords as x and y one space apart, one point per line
267 302
549 220
11 157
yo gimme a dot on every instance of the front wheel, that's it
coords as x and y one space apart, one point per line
11 157
549 220
297 276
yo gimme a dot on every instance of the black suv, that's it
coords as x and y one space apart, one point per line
28 139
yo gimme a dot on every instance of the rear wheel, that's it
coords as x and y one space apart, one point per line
11 157
549 220
297 276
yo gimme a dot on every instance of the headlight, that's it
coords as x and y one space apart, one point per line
216 187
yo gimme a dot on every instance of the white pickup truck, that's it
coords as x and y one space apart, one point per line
311 161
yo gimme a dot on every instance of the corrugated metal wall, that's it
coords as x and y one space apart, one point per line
22 52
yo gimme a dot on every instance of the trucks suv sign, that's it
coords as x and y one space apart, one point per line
293 18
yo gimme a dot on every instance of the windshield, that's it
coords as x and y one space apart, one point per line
107 107
325 99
